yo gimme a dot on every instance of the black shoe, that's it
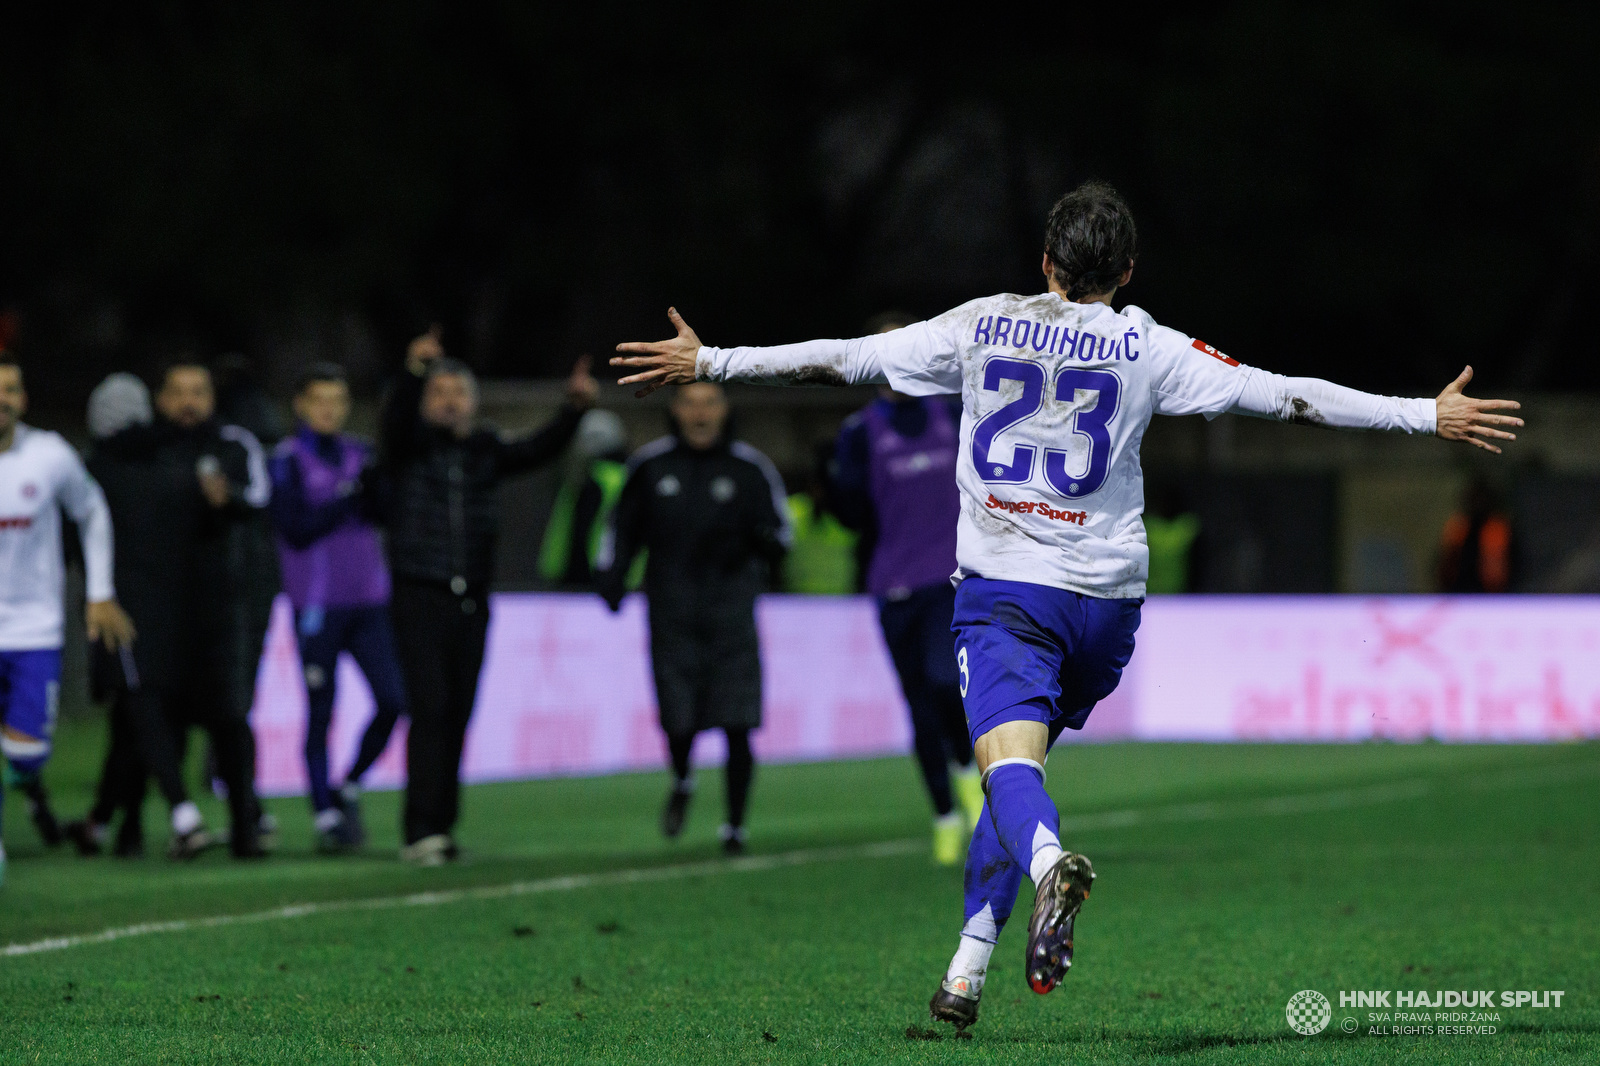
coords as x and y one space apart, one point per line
85 836
130 844
188 845
247 846
677 809
955 1002
1055 911
252 835
44 819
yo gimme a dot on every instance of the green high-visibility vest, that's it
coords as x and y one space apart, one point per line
1170 540
823 558
556 548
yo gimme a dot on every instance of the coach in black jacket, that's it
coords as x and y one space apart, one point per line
177 488
442 478
712 514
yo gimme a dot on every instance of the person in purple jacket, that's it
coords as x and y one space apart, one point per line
338 583
895 479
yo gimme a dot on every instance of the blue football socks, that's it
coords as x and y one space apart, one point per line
1025 816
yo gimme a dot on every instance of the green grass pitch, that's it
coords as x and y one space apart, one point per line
1420 867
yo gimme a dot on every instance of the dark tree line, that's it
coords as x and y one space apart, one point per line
1376 191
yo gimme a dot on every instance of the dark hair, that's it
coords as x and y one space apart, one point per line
446 366
319 373
182 362
1090 239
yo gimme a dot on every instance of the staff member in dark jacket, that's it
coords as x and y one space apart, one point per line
444 476
713 516
175 488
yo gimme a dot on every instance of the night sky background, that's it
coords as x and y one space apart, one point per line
1376 192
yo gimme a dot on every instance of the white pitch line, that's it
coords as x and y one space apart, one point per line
1302 803
568 883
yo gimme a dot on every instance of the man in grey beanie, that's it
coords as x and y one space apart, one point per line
118 403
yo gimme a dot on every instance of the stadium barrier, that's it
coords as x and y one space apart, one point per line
566 686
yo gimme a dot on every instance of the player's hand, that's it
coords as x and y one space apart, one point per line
662 362
1460 417
582 389
424 350
108 623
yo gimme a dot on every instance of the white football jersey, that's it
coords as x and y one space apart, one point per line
40 475
1056 399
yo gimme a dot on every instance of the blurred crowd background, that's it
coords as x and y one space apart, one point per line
1378 193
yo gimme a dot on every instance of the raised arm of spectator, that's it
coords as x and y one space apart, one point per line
401 431
544 444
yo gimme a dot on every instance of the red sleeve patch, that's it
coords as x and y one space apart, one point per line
1213 353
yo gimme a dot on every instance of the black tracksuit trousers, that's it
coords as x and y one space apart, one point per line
440 636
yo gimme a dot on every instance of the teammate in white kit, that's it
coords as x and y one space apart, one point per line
40 476
1057 391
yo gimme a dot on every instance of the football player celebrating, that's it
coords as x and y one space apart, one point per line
40 476
1057 390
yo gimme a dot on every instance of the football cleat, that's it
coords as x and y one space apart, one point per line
955 1002
1055 910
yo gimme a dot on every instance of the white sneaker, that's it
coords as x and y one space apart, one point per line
435 850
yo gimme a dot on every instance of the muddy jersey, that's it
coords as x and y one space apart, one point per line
1056 397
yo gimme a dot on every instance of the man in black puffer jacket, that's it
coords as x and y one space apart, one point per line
443 476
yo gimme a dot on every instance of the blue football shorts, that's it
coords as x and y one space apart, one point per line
30 683
1033 653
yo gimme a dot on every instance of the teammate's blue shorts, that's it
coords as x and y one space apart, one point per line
1033 653
30 683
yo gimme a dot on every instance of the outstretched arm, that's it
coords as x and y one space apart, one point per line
915 360
1312 401
684 359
